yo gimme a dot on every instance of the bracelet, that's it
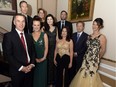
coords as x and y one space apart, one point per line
44 57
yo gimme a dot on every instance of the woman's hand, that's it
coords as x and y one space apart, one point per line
55 62
40 60
70 65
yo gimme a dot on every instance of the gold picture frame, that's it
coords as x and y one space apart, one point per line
8 7
80 10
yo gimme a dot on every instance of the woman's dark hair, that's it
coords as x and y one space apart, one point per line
68 33
41 9
47 27
37 18
99 22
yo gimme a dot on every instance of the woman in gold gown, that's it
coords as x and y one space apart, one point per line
88 75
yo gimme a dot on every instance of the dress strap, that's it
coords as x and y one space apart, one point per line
42 33
99 35
56 29
89 36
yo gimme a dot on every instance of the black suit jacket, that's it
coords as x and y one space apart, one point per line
67 24
80 47
28 25
14 51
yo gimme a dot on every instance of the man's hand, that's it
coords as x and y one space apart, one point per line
25 69
30 66
75 54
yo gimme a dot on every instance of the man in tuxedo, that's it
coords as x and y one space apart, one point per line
18 49
63 22
79 39
24 9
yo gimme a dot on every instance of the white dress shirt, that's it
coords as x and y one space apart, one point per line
28 57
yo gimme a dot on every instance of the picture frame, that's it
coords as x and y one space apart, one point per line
8 7
80 10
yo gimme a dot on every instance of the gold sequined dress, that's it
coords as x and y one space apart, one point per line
63 60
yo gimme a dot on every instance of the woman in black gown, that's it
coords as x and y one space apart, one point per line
51 31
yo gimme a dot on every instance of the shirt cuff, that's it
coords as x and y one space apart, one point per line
33 65
20 68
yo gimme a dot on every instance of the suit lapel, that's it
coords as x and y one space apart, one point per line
17 37
66 23
75 37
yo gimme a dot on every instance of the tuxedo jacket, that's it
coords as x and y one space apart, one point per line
28 25
14 51
67 24
80 47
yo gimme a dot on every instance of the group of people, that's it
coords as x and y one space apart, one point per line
45 53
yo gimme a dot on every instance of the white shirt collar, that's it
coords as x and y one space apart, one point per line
24 14
25 43
19 32
80 33
63 21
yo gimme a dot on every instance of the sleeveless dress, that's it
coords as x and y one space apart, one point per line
88 75
50 57
40 73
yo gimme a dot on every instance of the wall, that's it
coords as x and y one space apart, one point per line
32 6
5 20
61 5
49 5
105 10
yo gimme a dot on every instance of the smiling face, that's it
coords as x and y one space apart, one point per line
36 26
50 20
41 14
64 32
63 15
80 27
19 22
95 26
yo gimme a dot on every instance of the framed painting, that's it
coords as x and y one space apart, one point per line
80 10
8 7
